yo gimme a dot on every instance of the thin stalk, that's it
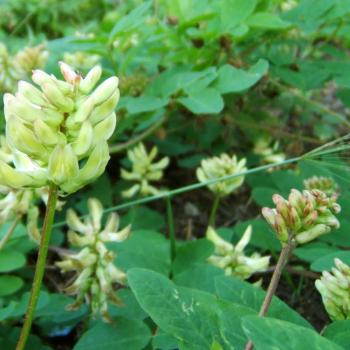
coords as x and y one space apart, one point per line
122 146
194 186
9 232
170 216
282 260
213 212
40 266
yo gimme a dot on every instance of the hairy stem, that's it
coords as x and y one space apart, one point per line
282 260
214 209
40 267
9 232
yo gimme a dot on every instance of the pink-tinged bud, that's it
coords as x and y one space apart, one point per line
294 218
69 74
276 198
269 215
281 228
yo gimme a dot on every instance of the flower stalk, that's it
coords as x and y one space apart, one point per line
9 232
214 209
40 266
282 261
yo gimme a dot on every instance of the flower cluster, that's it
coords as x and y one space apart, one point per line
59 133
304 216
216 167
96 272
322 183
144 171
14 68
231 257
334 288
81 59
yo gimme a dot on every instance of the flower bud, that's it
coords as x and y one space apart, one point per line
105 90
89 82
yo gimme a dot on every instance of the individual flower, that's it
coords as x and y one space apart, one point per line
304 216
94 266
217 167
144 170
322 183
59 131
81 59
231 258
334 288
268 150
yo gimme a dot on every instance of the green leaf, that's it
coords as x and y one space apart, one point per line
144 248
143 218
9 285
233 12
199 276
327 262
164 341
190 253
263 196
266 20
195 318
131 21
18 309
244 293
11 260
262 237
338 332
130 308
269 333
231 79
205 101
144 104
313 251
123 334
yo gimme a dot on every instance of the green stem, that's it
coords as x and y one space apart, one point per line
40 266
9 232
214 209
282 260
194 186
122 146
171 226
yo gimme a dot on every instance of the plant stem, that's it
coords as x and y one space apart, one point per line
122 146
171 226
40 266
214 209
282 260
9 232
